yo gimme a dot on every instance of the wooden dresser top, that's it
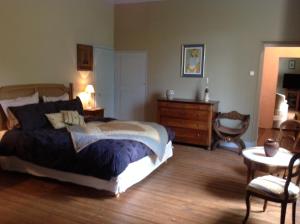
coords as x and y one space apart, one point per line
189 101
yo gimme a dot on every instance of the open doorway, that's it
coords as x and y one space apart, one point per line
278 102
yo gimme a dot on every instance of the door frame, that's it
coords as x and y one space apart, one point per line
94 75
265 44
118 84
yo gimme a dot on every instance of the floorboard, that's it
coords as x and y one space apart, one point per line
195 186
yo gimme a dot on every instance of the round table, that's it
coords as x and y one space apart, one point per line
255 159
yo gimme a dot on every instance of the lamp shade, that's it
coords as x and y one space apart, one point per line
90 89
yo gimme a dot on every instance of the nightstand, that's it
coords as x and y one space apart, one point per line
94 113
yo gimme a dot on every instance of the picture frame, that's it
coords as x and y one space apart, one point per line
84 57
192 60
292 64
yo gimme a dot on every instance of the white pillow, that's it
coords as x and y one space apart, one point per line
56 98
57 120
20 101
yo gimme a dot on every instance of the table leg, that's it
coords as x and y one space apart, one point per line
265 205
250 173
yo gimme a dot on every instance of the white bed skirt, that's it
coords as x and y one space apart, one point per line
134 173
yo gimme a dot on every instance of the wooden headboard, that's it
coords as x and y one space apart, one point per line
11 92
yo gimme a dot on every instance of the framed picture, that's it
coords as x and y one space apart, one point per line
84 57
192 60
292 64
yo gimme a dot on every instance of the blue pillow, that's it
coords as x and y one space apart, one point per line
32 116
70 105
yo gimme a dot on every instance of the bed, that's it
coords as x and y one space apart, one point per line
134 172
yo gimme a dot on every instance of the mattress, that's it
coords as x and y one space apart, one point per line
134 172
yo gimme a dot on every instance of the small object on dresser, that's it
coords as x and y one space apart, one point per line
206 94
93 114
170 94
271 147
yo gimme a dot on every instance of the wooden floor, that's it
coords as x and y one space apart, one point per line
195 186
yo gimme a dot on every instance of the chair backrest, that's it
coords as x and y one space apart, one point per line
289 129
241 125
293 171
233 115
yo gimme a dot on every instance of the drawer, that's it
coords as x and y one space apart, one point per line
193 141
191 136
190 133
180 123
183 106
200 115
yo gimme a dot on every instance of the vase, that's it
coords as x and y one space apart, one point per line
170 94
271 147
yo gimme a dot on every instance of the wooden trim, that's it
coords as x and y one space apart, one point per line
281 43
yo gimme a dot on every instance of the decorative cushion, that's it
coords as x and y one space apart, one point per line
272 186
73 118
57 120
70 105
56 98
12 121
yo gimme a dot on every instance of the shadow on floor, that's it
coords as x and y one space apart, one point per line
11 179
237 217
234 190
49 188
241 171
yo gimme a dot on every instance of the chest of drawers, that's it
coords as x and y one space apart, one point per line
191 120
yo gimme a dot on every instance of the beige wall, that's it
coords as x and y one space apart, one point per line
269 81
233 31
38 38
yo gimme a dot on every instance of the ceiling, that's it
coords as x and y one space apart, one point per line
132 1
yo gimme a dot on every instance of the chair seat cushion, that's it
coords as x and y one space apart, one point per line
229 131
272 186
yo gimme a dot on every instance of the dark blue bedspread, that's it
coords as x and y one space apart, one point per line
54 149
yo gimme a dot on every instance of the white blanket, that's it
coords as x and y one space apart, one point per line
153 135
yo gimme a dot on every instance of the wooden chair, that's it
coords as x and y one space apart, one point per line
231 134
276 189
289 135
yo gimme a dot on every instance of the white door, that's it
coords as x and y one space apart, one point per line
131 79
105 80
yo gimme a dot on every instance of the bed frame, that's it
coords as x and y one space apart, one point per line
10 92
134 173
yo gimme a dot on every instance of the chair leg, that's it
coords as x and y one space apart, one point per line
242 145
283 211
248 207
215 145
265 205
294 212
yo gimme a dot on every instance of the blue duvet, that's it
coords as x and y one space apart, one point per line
53 149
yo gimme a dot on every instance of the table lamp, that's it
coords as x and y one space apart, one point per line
90 89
